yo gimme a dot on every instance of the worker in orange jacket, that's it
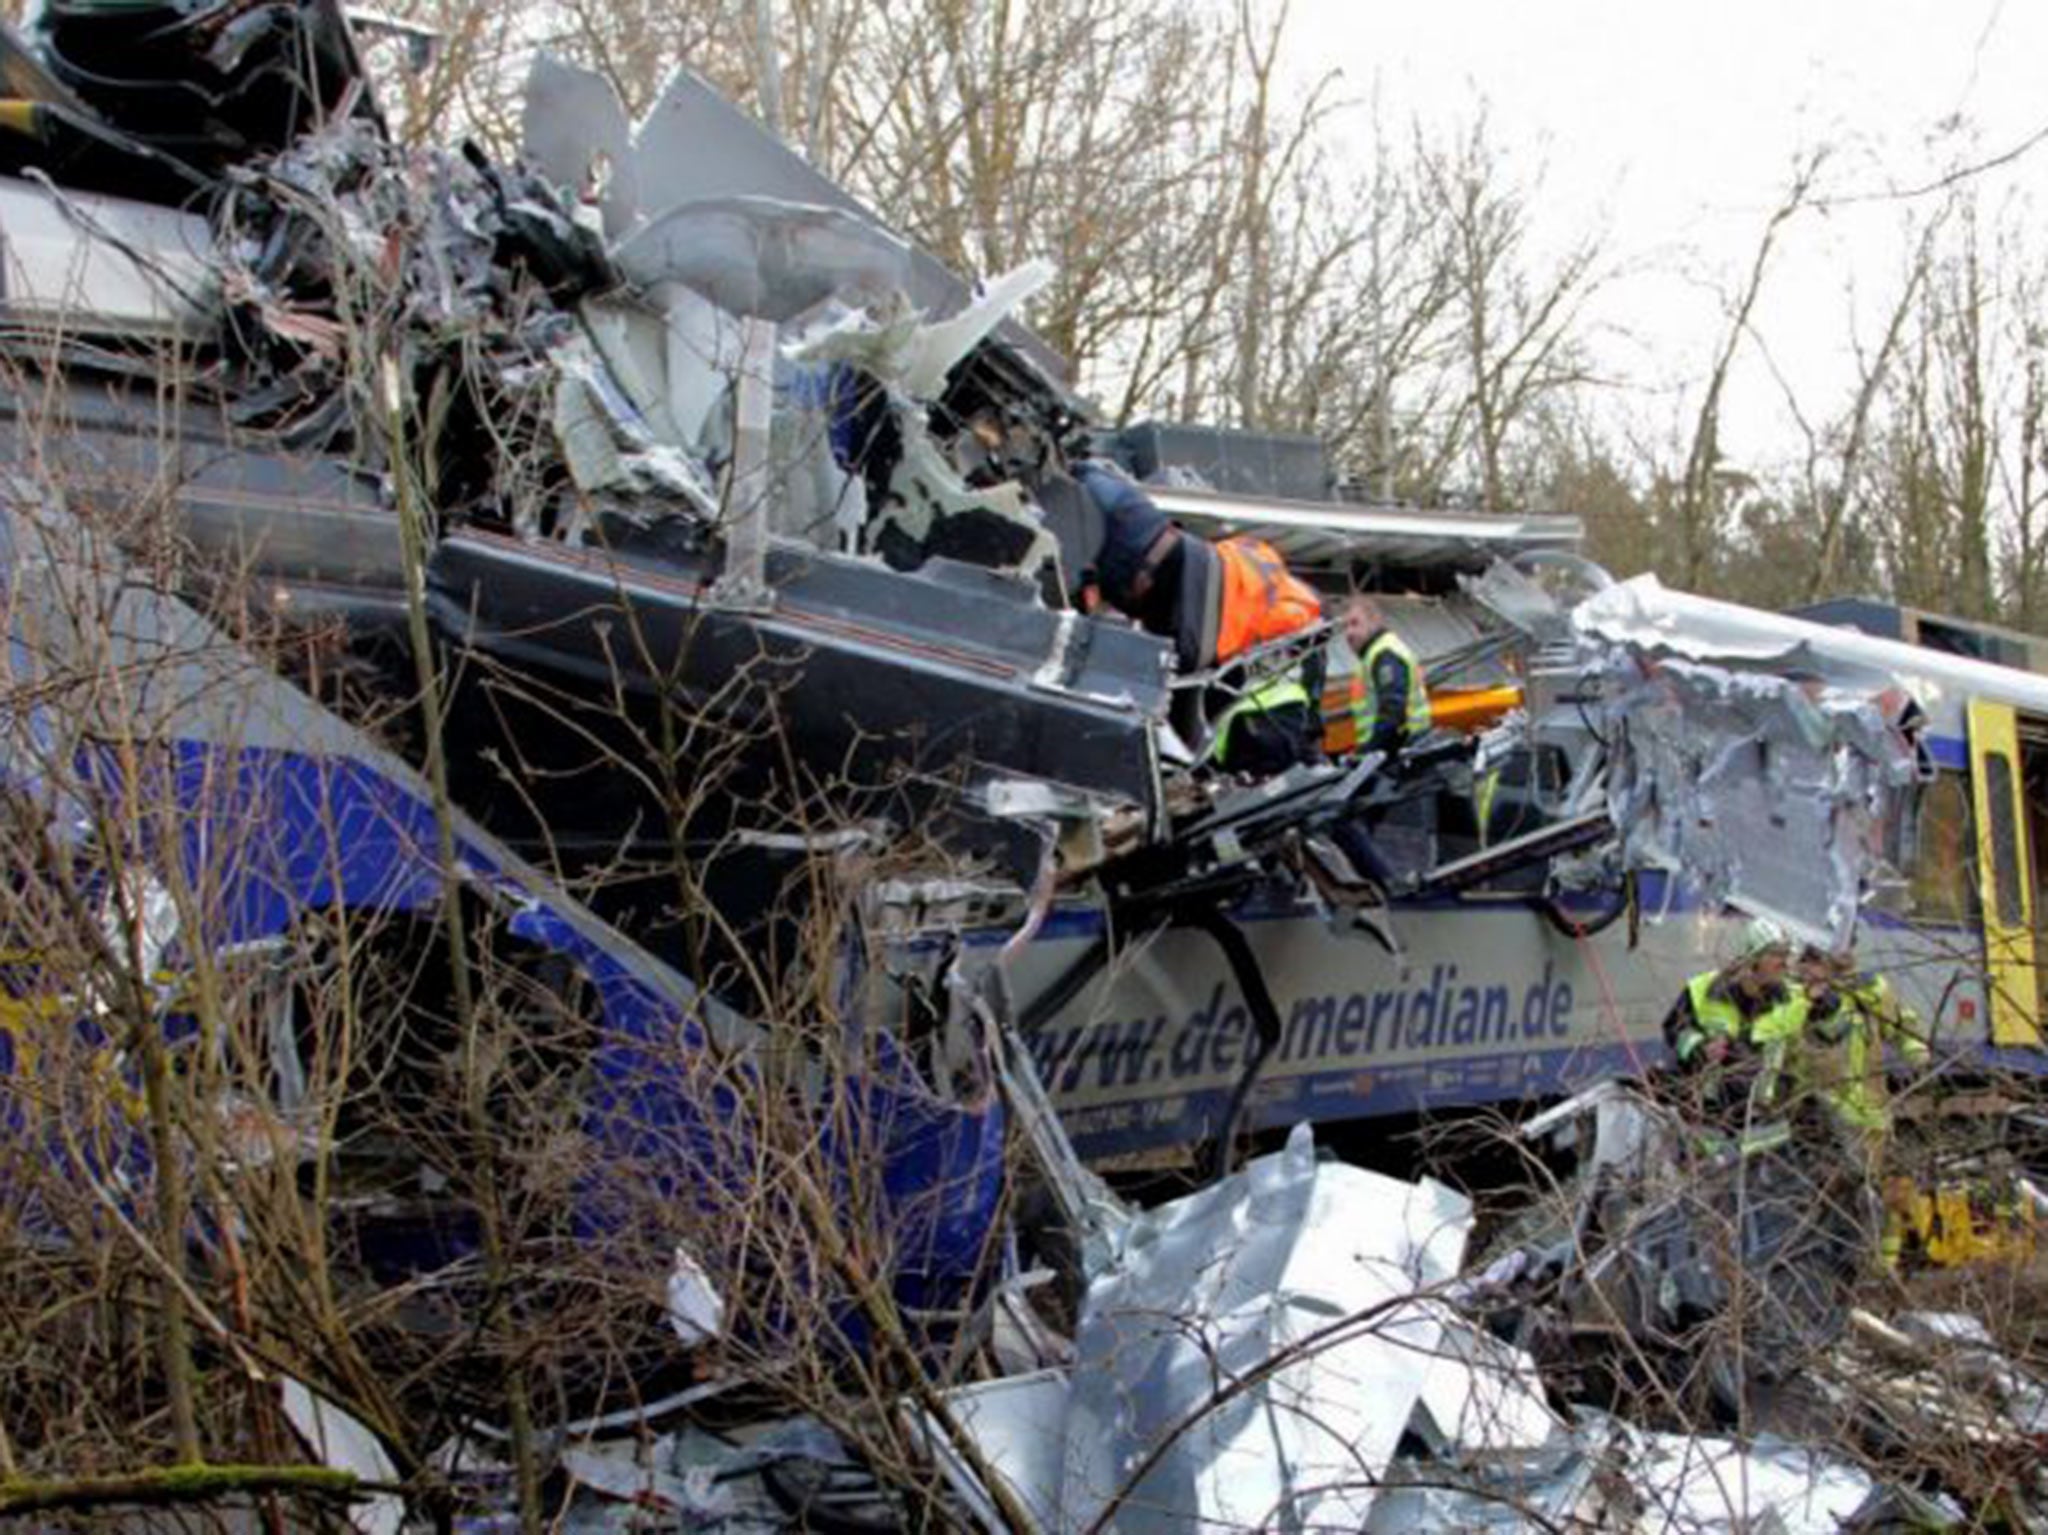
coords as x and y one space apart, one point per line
1215 601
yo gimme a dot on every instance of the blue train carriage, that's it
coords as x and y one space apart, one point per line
280 820
1555 970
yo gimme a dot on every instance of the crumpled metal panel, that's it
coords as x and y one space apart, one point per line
1610 1476
694 144
1214 1287
1705 1486
80 262
757 256
1254 1353
574 131
1556 1486
1743 757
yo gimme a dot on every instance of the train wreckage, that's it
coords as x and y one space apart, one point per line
486 541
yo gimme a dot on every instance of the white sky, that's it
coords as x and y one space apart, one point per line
1674 126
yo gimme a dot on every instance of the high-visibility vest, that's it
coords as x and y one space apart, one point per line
1418 721
1839 1059
1261 599
1277 694
1351 706
1715 1016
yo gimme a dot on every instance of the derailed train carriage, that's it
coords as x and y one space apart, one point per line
668 348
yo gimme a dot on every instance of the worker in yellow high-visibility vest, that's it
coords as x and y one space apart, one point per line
1377 702
1373 700
1831 1055
1712 1029
1268 730
1833 1052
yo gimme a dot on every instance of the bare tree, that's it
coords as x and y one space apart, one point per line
2023 468
1831 493
1697 491
1518 340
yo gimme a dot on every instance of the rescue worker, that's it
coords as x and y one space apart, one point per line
1214 601
1833 1051
1374 698
1268 730
1141 564
1828 1057
1712 1027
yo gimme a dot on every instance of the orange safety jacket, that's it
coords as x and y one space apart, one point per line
1261 599
1343 706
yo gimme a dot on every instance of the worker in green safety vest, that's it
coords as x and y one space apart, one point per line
1269 729
1831 1052
1712 1027
1824 1069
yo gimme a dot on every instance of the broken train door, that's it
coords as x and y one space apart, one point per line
2009 777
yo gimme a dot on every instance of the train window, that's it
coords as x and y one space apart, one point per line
2034 812
1945 853
2005 841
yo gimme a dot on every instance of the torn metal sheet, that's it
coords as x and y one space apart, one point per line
1645 613
769 260
1482 1396
1510 590
1742 758
341 1441
103 265
1706 1486
1607 1475
942 345
607 444
574 131
935 507
1019 1426
1562 1485
695 144
911 350
1253 1354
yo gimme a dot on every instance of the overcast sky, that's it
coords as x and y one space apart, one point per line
1674 128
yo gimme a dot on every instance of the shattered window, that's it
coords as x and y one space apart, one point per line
2005 840
1944 857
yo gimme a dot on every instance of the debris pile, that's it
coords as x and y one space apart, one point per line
1304 1340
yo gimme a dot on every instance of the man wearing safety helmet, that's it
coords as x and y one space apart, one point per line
1716 1018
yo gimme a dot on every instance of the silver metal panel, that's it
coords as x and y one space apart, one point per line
696 144
1312 532
77 260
